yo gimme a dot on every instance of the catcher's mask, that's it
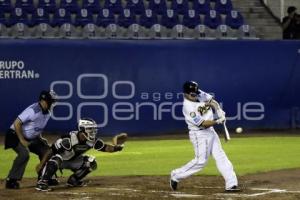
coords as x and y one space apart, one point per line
89 128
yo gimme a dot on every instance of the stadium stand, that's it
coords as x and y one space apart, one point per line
135 19
126 18
201 6
148 19
212 19
191 19
136 31
84 17
61 16
223 6
48 5
5 5
3 20
105 17
18 15
136 7
44 31
115 6
70 5
234 19
26 5
3 31
40 15
169 19
180 6
92 6
158 6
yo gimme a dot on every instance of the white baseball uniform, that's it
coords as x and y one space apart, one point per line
205 141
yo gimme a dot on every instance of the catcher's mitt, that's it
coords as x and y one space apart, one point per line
119 139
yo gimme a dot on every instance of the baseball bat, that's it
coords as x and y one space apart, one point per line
227 136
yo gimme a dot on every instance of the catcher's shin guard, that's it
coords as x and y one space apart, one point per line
89 165
51 167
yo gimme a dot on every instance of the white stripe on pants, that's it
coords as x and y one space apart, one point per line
206 142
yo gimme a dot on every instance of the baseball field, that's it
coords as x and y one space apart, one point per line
268 167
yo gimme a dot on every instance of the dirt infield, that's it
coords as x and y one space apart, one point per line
276 185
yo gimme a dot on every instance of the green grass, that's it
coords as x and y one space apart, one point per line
159 157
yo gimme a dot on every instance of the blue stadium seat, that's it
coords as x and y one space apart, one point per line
92 5
61 17
126 19
26 5
48 5
170 19
148 19
115 6
84 17
18 15
40 16
136 7
223 6
105 17
212 19
180 6
3 20
5 5
158 6
70 5
202 6
191 19
234 19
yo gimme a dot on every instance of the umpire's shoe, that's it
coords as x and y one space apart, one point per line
173 184
234 188
12 184
42 186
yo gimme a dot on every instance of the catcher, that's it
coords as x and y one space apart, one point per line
67 153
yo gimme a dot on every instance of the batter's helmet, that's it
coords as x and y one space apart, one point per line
49 96
88 127
190 87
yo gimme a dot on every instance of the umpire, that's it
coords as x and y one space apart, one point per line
24 136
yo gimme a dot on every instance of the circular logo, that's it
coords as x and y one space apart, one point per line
193 114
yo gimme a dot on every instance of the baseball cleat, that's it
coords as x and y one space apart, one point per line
234 188
53 182
12 184
42 186
173 184
72 182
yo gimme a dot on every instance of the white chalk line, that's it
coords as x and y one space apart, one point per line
186 195
114 190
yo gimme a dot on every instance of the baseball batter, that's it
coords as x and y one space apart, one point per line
199 116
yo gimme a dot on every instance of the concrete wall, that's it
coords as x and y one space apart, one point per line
275 6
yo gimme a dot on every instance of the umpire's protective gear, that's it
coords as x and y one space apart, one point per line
191 87
49 96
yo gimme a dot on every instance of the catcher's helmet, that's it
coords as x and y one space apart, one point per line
191 87
88 127
49 96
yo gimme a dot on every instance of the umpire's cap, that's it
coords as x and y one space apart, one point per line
49 96
191 87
